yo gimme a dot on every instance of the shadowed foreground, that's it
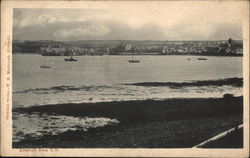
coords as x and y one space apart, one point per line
171 123
231 140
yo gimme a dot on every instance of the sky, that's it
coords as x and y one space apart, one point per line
158 21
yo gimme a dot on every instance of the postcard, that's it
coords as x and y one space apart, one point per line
125 78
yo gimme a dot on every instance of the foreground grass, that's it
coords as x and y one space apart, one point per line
171 123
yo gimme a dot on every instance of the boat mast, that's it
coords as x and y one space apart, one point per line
43 60
132 55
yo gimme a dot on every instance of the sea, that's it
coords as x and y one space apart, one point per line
108 78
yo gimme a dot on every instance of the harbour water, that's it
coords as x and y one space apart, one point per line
105 79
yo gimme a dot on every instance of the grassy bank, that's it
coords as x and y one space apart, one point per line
171 123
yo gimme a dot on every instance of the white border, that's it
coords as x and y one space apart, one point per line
6 126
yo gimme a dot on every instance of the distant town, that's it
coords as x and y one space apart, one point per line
227 47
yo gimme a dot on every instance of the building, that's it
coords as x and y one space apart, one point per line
127 47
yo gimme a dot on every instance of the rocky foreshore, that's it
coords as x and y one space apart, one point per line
170 123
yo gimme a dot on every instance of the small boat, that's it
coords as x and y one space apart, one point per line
188 59
44 65
133 60
70 59
202 58
71 54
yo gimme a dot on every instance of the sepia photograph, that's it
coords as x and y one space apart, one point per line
159 75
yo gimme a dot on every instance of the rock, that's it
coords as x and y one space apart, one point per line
228 96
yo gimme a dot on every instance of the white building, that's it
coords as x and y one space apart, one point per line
127 47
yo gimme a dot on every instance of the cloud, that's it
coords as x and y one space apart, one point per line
188 21
114 30
120 30
90 30
226 30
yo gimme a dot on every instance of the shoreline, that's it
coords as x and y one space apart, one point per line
165 123
138 54
233 81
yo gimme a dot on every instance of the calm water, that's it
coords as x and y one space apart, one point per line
102 78
110 70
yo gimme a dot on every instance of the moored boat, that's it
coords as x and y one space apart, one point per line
44 64
70 59
202 58
134 61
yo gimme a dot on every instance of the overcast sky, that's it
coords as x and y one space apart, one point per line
167 21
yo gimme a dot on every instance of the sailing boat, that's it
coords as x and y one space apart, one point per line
70 59
133 60
44 65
